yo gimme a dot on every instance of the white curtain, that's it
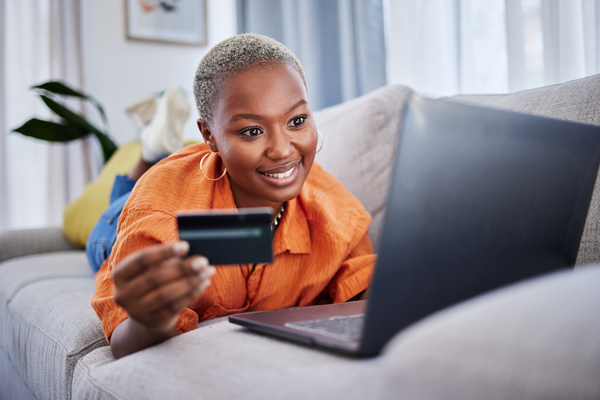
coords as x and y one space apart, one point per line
446 47
39 41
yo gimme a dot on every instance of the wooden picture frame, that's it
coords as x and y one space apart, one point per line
180 22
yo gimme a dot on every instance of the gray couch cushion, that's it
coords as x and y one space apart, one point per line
224 361
578 101
20 272
17 273
17 243
48 323
360 138
535 340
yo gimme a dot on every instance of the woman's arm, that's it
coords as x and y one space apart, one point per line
131 336
153 286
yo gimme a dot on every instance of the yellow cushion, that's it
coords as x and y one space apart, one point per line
81 215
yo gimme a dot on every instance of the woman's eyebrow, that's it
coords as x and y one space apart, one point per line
298 104
256 117
237 117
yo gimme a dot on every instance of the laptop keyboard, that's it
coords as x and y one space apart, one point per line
348 327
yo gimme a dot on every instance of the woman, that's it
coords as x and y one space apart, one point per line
260 141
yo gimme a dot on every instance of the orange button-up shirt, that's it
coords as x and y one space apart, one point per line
322 251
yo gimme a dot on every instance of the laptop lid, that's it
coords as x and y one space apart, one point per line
480 198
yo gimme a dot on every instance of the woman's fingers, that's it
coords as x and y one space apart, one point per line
174 297
136 263
170 292
166 301
159 274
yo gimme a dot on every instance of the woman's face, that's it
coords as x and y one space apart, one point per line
265 134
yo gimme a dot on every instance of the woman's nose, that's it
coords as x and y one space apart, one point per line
280 145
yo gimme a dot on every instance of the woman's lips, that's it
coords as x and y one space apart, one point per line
281 176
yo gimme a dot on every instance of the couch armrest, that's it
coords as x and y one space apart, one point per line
17 243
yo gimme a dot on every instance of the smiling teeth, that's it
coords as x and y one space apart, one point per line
280 176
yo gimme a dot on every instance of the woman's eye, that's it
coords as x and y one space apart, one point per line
297 121
251 132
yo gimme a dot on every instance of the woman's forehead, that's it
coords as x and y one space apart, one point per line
265 89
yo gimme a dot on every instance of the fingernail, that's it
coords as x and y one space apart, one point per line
207 273
202 287
181 247
200 262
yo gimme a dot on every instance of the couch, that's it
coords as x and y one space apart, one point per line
537 339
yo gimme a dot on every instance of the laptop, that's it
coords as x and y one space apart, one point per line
480 198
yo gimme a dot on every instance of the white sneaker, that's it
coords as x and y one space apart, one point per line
164 134
142 112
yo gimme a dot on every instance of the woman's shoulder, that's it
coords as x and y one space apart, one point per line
169 183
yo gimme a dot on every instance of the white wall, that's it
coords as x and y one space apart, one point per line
120 72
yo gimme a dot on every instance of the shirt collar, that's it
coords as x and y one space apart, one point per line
293 233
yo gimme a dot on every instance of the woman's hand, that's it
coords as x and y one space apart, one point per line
153 286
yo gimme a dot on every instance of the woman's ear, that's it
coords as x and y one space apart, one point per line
207 135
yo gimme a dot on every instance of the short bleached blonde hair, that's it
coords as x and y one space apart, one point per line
233 55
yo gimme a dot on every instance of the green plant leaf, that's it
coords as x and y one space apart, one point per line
60 88
70 117
51 131
108 146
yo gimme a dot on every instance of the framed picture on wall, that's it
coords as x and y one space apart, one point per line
166 21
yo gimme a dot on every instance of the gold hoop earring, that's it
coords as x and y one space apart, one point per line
322 140
202 170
